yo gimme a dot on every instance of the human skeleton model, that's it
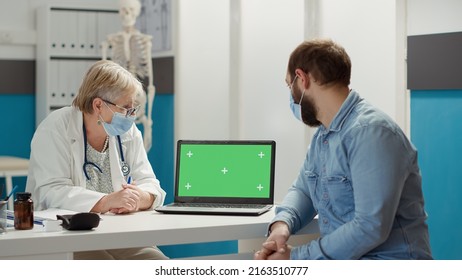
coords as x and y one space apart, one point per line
132 50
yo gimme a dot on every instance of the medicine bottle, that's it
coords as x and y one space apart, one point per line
23 211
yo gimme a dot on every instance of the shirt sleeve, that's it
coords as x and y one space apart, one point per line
297 209
379 163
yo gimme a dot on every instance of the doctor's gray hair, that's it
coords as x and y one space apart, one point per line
106 80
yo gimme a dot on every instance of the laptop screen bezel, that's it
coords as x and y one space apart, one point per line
251 200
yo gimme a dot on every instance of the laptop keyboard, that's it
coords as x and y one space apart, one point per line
219 205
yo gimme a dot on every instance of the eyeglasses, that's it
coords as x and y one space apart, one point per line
129 111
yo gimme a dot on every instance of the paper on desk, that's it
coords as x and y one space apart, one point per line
42 217
51 213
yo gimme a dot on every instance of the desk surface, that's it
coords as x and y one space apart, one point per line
136 230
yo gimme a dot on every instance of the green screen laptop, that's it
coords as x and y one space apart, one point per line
223 177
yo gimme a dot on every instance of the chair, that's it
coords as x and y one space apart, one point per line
12 167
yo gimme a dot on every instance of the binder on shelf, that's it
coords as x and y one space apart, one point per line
92 39
108 23
82 33
68 42
71 32
54 84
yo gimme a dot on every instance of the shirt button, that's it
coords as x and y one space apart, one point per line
326 142
325 196
325 221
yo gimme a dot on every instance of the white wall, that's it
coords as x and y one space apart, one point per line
230 76
230 70
268 36
16 19
434 16
202 69
374 37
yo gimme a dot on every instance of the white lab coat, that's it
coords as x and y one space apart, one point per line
56 178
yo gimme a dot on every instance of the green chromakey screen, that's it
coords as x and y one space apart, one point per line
224 170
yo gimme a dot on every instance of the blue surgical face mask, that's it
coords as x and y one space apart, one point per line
119 125
296 108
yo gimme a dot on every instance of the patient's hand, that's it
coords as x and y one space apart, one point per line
275 247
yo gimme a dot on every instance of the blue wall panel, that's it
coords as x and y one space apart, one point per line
17 127
200 249
436 131
161 154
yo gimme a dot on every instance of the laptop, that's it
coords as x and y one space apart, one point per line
223 178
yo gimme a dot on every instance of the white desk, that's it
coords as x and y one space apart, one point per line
135 230
12 167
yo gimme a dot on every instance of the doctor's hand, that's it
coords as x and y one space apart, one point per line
123 201
275 247
129 199
144 201
126 200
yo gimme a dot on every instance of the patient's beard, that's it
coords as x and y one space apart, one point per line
309 112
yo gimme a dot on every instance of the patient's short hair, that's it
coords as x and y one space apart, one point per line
326 60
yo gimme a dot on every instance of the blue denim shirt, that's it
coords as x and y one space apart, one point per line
362 179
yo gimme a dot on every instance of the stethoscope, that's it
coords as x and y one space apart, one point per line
123 165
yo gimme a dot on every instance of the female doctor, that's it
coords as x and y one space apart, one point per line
90 157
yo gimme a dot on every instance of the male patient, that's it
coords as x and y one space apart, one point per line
360 175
